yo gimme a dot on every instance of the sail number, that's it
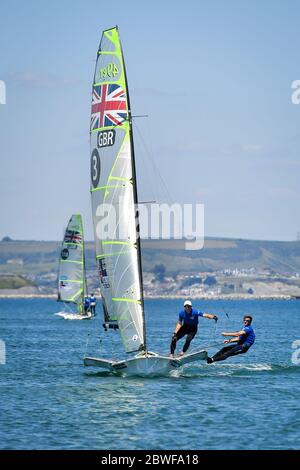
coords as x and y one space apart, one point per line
111 70
106 138
95 168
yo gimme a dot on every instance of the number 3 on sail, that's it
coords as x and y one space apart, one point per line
95 168
118 250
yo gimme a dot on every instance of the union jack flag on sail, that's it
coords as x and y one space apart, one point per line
71 236
109 106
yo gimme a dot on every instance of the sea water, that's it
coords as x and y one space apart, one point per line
49 400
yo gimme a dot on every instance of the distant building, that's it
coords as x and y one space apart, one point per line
17 261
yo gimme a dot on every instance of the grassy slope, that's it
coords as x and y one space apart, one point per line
282 257
14 282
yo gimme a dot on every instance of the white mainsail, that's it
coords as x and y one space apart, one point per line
114 196
71 276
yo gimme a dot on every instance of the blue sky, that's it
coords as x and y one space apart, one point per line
214 79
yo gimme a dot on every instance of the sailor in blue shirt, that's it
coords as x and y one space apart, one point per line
86 305
187 325
93 302
244 338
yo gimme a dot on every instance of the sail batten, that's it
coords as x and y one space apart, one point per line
114 205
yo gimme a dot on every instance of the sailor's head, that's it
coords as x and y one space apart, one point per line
247 319
92 295
187 305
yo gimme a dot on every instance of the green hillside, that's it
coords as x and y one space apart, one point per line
14 282
220 254
41 257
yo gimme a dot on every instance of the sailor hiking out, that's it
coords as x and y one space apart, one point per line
243 340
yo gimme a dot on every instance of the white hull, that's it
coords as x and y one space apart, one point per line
73 316
146 365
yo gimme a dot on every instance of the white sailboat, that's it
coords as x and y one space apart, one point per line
114 193
72 285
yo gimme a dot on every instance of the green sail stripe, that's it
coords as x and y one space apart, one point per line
79 293
120 126
109 33
69 280
122 299
70 261
112 254
107 83
101 188
119 243
108 52
119 178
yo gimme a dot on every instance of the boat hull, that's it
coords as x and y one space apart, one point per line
148 365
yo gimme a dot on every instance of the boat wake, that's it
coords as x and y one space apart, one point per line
243 370
72 316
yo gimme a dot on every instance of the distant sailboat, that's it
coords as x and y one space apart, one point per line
113 185
72 285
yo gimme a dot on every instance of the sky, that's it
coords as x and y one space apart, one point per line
215 80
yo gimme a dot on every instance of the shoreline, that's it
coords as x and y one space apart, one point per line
169 297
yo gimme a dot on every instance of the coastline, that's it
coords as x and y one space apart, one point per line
169 297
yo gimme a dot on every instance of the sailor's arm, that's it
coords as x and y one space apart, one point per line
235 333
231 340
210 316
177 327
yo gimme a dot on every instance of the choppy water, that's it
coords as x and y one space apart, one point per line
50 401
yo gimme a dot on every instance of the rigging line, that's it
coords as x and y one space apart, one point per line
146 162
211 345
226 326
213 333
158 176
226 313
154 166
